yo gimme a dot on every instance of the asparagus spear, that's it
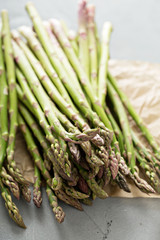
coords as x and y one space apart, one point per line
26 192
83 36
72 36
11 83
124 125
73 193
10 182
117 130
8 55
11 207
37 195
58 211
3 107
103 62
68 199
122 183
135 116
47 162
93 56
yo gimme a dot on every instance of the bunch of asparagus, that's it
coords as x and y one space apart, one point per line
73 116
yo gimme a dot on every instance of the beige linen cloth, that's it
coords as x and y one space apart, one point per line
141 83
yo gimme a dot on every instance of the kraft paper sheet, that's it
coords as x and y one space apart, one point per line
141 83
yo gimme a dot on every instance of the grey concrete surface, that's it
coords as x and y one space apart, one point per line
136 36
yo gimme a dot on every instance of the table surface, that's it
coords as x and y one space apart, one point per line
136 36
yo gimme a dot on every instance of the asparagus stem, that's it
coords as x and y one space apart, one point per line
3 107
124 125
103 62
47 162
116 129
83 36
37 195
92 46
11 207
97 42
135 116
8 54
72 36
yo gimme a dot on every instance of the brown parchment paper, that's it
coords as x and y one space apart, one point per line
141 83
